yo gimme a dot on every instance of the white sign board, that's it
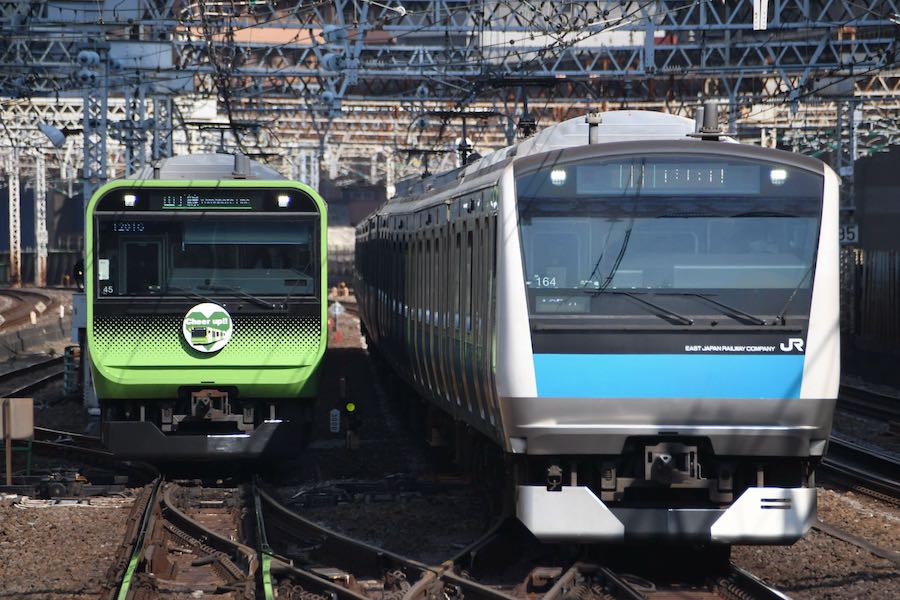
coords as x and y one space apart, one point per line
849 233
760 14
334 421
21 418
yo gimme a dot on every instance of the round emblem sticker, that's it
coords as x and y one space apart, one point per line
207 327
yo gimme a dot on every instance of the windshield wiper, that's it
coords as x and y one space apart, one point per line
228 288
302 278
190 293
762 213
661 312
783 312
729 310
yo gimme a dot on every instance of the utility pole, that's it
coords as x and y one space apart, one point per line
134 130
15 233
93 75
40 221
94 118
162 127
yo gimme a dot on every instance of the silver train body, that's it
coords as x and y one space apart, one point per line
647 324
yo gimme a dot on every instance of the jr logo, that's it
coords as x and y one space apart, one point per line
792 344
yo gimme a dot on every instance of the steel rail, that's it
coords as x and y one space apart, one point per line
335 549
34 384
746 585
31 368
862 468
233 561
83 448
734 583
21 312
472 589
846 536
869 403
265 554
353 556
57 436
229 551
124 586
274 565
348 554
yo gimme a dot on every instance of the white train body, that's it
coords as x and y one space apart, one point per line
647 324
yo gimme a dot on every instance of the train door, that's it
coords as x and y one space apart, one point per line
143 259
428 282
466 317
456 295
477 286
446 284
438 315
492 318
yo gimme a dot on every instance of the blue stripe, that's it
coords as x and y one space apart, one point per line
668 375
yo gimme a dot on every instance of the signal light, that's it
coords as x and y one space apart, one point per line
350 406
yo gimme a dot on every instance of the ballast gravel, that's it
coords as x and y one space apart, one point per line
56 552
820 567
873 520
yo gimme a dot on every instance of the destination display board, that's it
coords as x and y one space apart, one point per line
199 199
208 200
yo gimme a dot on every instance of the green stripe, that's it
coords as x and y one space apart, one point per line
138 544
129 573
266 567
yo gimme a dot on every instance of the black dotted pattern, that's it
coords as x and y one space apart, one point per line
158 340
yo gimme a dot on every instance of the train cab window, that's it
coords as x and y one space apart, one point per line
159 255
142 272
671 229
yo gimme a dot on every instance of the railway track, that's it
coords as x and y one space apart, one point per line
871 404
24 381
24 303
593 580
365 571
863 469
64 444
846 536
186 539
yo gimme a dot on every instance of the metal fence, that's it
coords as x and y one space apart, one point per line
60 266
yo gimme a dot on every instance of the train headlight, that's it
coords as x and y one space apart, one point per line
558 176
778 176
130 200
284 200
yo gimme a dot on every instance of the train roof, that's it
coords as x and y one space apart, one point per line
207 166
615 126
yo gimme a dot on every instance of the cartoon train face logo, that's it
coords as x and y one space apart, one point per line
207 327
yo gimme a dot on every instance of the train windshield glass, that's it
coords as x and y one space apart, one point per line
691 228
163 255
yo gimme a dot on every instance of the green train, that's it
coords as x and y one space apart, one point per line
205 283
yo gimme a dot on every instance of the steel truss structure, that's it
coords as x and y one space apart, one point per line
349 80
